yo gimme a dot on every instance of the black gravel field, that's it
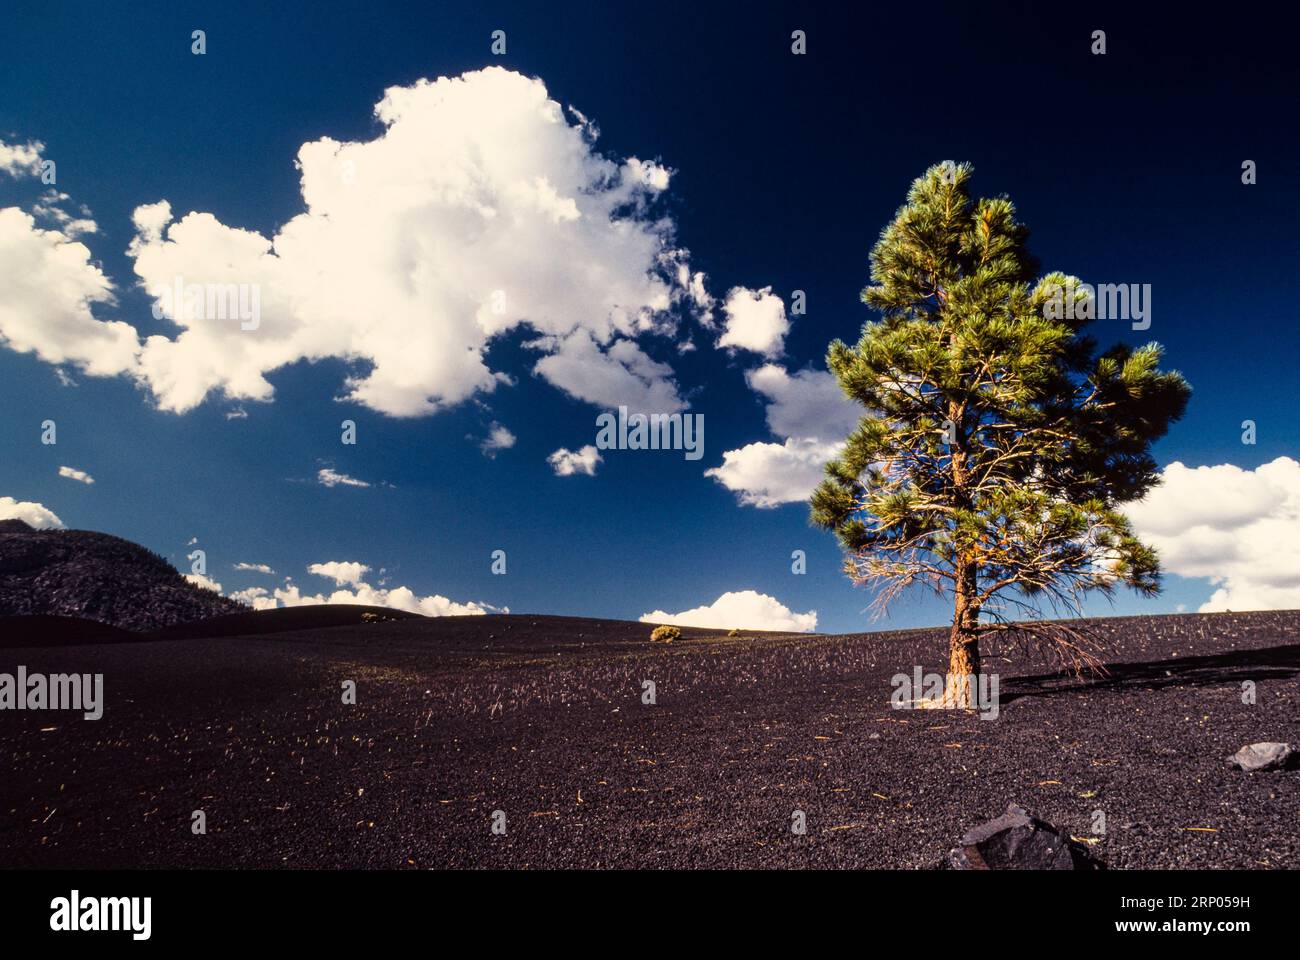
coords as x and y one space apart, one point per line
542 718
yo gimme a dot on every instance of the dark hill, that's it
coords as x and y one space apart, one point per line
94 576
250 623
51 630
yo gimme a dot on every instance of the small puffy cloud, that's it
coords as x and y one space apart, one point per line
566 462
769 474
254 568
72 473
653 176
499 438
259 598
755 320
340 571
33 514
150 220
741 609
49 207
808 404
21 159
329 477
811 415
199 580
1238 528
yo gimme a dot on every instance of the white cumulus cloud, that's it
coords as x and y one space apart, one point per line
499 438
48 207
740 609
21 159
620 374
349 577
807 404
567 462
259 598
770 474
35 515
479 209
207 583
340 571
399 598
755 320
811 415
48 284
71 473
1238 528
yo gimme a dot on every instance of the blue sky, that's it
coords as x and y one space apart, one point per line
780 171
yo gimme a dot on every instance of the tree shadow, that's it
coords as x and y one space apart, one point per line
1269 663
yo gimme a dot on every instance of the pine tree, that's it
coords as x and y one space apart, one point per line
997 444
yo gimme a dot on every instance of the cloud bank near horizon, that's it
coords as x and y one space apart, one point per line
1237 528
35 515
350 579
740 609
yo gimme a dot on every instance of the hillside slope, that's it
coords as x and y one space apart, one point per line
79 573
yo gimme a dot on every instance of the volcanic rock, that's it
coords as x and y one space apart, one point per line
1264 756
94 576
1017 840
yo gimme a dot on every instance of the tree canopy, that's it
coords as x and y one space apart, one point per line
996 444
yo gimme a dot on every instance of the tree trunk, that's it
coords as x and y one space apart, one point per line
963 643
962 684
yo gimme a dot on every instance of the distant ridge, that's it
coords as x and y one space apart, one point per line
51 630
94 576
283 620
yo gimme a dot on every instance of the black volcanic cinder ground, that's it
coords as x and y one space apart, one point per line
541 717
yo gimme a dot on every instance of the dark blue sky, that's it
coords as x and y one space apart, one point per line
1126 168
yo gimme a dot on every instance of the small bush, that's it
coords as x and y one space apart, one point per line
665 634
733 633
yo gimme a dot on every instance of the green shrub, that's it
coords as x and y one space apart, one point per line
665 634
